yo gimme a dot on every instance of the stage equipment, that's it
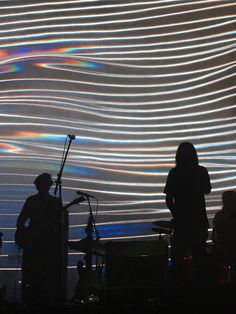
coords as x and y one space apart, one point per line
168 224
86 244
71 136
136 263
90 282
163 227
85 194
63 226
161 230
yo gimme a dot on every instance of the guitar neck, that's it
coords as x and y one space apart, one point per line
67 205
76 201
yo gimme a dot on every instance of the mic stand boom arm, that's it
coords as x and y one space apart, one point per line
59 175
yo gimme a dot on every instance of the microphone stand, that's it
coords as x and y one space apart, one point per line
59 175
63 229
89 231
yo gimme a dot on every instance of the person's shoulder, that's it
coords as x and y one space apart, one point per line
173 170
32 197
30 201
218 214
202 169
171 174
217 218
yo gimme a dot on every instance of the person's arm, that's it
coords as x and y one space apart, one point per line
23 217
170 203
168 190
206 185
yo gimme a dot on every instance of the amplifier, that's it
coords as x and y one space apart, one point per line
136 263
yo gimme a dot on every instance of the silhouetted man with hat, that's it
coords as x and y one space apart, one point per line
41 246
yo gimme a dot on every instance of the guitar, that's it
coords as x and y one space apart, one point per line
23 235
89 285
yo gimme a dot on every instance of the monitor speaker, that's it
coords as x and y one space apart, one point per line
136 263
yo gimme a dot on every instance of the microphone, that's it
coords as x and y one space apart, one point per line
85 194
71 136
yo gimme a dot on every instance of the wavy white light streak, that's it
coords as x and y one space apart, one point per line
137 94
164 75
222 189
151 51
134 117
107 182
104 191
158 110
60 33
143 126
117 211
113 5
157 85
158 157
123 30
180 138
79 40
138 76
130 237
166 65
152 157
113 21
153 66
118 222
193 130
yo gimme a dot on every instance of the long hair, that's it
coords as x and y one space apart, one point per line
186 155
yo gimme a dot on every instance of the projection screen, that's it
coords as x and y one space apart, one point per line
131 80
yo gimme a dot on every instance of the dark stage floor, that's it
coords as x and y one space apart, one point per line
148 295
143 300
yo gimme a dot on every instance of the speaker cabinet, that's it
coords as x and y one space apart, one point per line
136 263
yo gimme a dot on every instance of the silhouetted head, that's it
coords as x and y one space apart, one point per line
229 199
186 155
43 182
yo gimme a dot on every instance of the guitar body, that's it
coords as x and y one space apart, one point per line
24 235
90 283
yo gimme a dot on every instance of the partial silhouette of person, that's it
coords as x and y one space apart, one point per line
227 215
224 230
38 229
185 189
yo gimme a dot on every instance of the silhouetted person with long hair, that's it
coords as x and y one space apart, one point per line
185 188
39 239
